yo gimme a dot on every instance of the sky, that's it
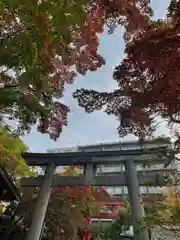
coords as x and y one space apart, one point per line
96 127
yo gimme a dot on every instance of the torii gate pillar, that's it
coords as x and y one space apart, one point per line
39 211
135 200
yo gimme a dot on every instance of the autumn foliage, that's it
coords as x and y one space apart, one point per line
90 192
45 44
163 218
148 76
62 40
68 210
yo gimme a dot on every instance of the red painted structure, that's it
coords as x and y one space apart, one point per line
111 215
88 235
103 216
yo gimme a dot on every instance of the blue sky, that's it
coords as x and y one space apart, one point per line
96 127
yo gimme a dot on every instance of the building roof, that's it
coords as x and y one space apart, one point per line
128 143
114 145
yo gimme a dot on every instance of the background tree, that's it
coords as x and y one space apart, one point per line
164 219
67 214
77 204
11 148
116 229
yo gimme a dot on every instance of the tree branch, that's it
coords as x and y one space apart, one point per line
10 86
174 120
4 71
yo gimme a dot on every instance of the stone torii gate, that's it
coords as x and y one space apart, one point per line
90 160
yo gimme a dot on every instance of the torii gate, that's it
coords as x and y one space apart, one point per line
90 160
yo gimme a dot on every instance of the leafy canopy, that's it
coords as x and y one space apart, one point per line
11 148
44 44
148 77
